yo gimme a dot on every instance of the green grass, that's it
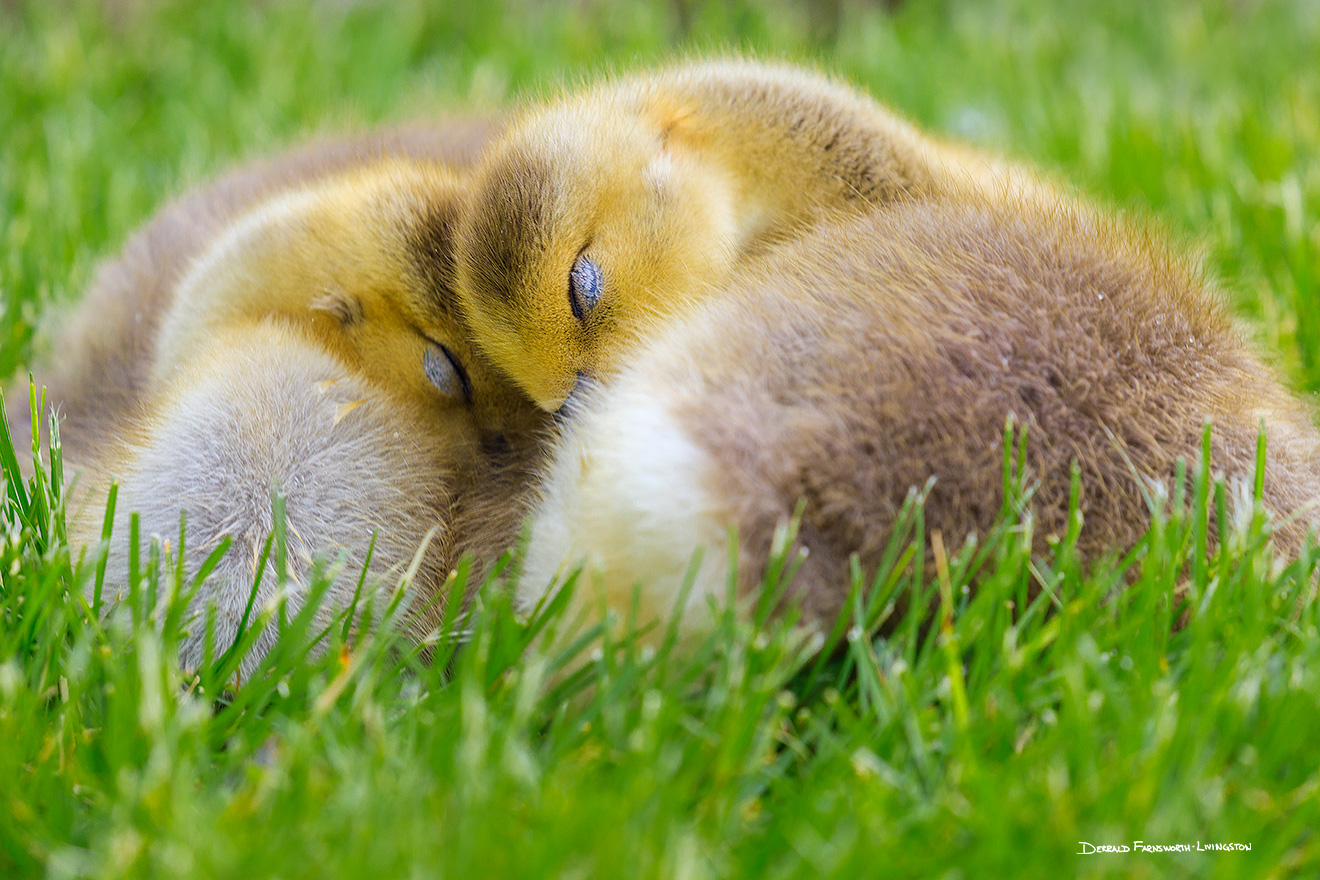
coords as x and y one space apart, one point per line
987 742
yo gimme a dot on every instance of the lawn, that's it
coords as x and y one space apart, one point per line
990 739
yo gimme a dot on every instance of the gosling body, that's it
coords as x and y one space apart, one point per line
887 350
259 411
255 398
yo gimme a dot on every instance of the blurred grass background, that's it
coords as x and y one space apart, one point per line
1096 722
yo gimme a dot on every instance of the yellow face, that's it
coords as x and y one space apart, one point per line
406 337
391 312
587 225
363 265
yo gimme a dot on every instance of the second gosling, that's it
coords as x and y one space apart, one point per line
604 212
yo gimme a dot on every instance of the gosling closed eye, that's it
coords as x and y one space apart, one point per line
585 286
445 373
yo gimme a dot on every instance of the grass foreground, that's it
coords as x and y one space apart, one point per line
1170 697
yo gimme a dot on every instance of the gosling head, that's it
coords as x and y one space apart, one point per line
588 223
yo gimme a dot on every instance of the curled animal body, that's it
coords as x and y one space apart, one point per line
884 350
207 374
833 370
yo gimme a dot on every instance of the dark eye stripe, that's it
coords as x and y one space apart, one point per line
444 372
584 286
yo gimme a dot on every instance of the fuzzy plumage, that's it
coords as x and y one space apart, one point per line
878 352
260 410
835 341
208 372
102 353
667 181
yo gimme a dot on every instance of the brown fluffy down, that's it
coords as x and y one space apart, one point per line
878 352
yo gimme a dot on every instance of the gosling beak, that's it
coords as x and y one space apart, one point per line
551 396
